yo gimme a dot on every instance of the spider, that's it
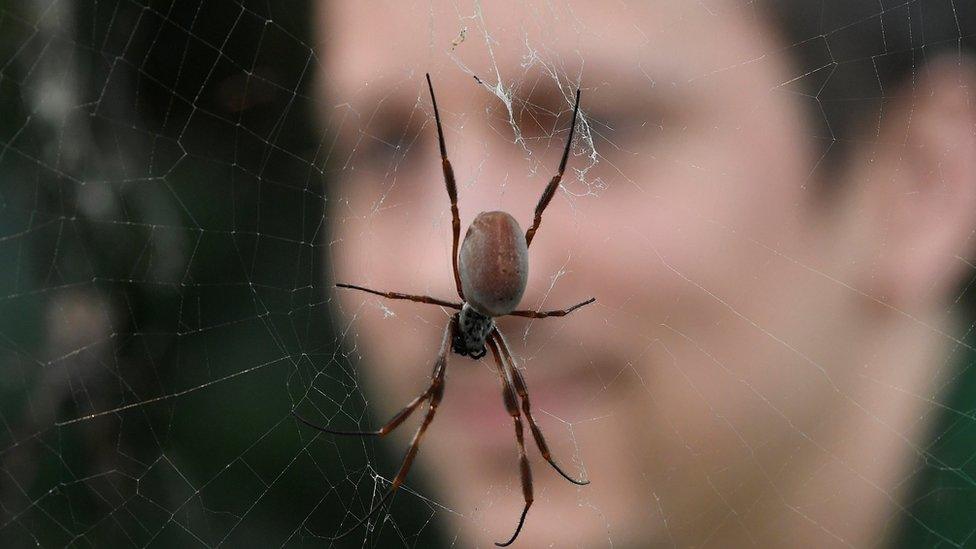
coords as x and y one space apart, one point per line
490 272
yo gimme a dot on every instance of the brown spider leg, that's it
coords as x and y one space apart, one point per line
397 295
554 183
399 418
511 405
544 314
451 191
519 382
435 393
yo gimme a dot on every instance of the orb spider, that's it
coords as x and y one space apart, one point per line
490 272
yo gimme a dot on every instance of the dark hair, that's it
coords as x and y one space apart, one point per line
851 57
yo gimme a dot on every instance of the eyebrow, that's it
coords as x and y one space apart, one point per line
369 105
654 83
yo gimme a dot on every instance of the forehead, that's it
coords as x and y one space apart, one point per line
640 43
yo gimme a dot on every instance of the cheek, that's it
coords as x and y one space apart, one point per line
695 225
392 236
641 244
388 240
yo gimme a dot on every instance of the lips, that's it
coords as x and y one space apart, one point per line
560 386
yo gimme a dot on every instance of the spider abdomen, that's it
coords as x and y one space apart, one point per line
494 263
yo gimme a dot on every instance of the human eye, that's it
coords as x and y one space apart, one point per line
388 137
628 121
624 127
541 115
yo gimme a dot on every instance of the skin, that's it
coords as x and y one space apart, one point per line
760 354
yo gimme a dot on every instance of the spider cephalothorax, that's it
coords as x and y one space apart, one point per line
473 329
490 272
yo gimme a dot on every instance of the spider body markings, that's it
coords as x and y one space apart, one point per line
491 271
494 269
494 264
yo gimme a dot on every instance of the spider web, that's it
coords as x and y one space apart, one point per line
172 191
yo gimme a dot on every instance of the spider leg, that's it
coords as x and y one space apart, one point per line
554 182
399 418
451 191
511 405
544 314
397 295
519 382
435 393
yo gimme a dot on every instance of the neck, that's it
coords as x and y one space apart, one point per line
854 465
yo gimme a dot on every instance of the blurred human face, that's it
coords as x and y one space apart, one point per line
692 393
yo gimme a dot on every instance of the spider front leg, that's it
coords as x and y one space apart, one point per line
451 191
546 314
550 190
511 405
523 392
397 295
434 393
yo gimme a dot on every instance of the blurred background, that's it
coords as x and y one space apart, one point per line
164 190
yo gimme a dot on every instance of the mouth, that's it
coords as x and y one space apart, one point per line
559 385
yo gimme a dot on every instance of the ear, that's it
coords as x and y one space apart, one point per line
928 197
